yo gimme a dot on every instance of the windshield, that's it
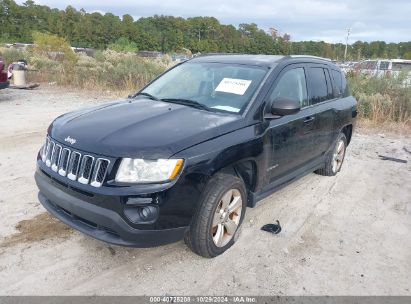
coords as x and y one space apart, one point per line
225 87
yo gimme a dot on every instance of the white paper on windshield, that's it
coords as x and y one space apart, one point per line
234 86
227 108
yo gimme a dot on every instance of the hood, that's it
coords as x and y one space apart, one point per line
140 128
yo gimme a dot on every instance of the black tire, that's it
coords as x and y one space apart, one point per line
327 170
199 237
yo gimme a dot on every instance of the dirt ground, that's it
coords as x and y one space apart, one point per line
343 235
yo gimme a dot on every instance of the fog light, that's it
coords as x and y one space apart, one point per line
141 215
146 212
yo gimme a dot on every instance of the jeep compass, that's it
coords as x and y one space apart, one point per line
186 155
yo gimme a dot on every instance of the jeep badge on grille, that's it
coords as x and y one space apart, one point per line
70 140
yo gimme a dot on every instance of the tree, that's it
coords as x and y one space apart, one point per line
53 47
170 34
122 44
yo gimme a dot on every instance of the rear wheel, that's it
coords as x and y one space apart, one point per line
215 226
335 158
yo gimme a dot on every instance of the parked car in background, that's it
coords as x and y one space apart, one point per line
385 68
4 83
186 155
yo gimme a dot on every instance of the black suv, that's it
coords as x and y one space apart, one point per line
186 155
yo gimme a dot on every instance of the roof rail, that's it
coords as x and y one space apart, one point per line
309 56
215 54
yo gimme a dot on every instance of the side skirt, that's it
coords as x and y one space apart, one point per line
255 197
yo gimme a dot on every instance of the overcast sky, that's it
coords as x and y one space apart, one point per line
326 20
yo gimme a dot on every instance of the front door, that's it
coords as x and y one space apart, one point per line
289 138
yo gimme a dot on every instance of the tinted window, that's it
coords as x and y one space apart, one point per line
384 65
371 65
318 85
292 85
329 84
337 80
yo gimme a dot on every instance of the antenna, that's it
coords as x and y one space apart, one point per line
346 43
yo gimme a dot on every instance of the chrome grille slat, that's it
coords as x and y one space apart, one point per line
49 153
44 150
64 161
74 164
100 171
83 168
55 158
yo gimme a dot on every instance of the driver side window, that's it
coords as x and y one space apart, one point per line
292 85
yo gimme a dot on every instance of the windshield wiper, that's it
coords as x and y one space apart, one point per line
187 102
148 95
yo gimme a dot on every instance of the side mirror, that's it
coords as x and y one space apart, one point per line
284 106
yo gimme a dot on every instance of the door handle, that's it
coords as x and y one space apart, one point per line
309 119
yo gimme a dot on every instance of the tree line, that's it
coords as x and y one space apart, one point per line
171 34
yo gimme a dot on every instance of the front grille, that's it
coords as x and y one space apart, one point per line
75 165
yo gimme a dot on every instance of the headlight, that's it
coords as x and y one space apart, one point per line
148 171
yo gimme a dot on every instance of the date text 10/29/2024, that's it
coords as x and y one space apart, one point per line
204 299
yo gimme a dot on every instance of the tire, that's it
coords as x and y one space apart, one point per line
335 155
208 235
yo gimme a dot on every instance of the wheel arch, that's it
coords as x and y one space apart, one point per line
246 170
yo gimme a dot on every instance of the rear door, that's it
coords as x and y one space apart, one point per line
321 95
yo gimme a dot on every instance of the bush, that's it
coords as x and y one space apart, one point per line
53 47
108 70
123 45
12 55
381 100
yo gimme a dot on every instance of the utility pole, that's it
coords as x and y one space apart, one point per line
346 43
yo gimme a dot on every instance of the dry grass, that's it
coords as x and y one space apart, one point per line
107 70
382 101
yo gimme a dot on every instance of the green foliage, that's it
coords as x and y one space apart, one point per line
53 47
108 70
123 45
169 34
382 99
12 55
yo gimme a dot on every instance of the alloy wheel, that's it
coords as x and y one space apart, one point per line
226 217
338 156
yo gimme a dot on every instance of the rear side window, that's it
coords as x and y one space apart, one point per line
319 90
338 81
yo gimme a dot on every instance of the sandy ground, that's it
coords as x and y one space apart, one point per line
344 235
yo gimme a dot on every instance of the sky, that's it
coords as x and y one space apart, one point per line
316 20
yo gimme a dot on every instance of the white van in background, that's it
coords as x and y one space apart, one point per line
385 68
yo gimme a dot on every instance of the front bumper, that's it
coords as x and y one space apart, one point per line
100 223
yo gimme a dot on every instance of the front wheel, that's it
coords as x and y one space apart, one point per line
335 158
215 226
